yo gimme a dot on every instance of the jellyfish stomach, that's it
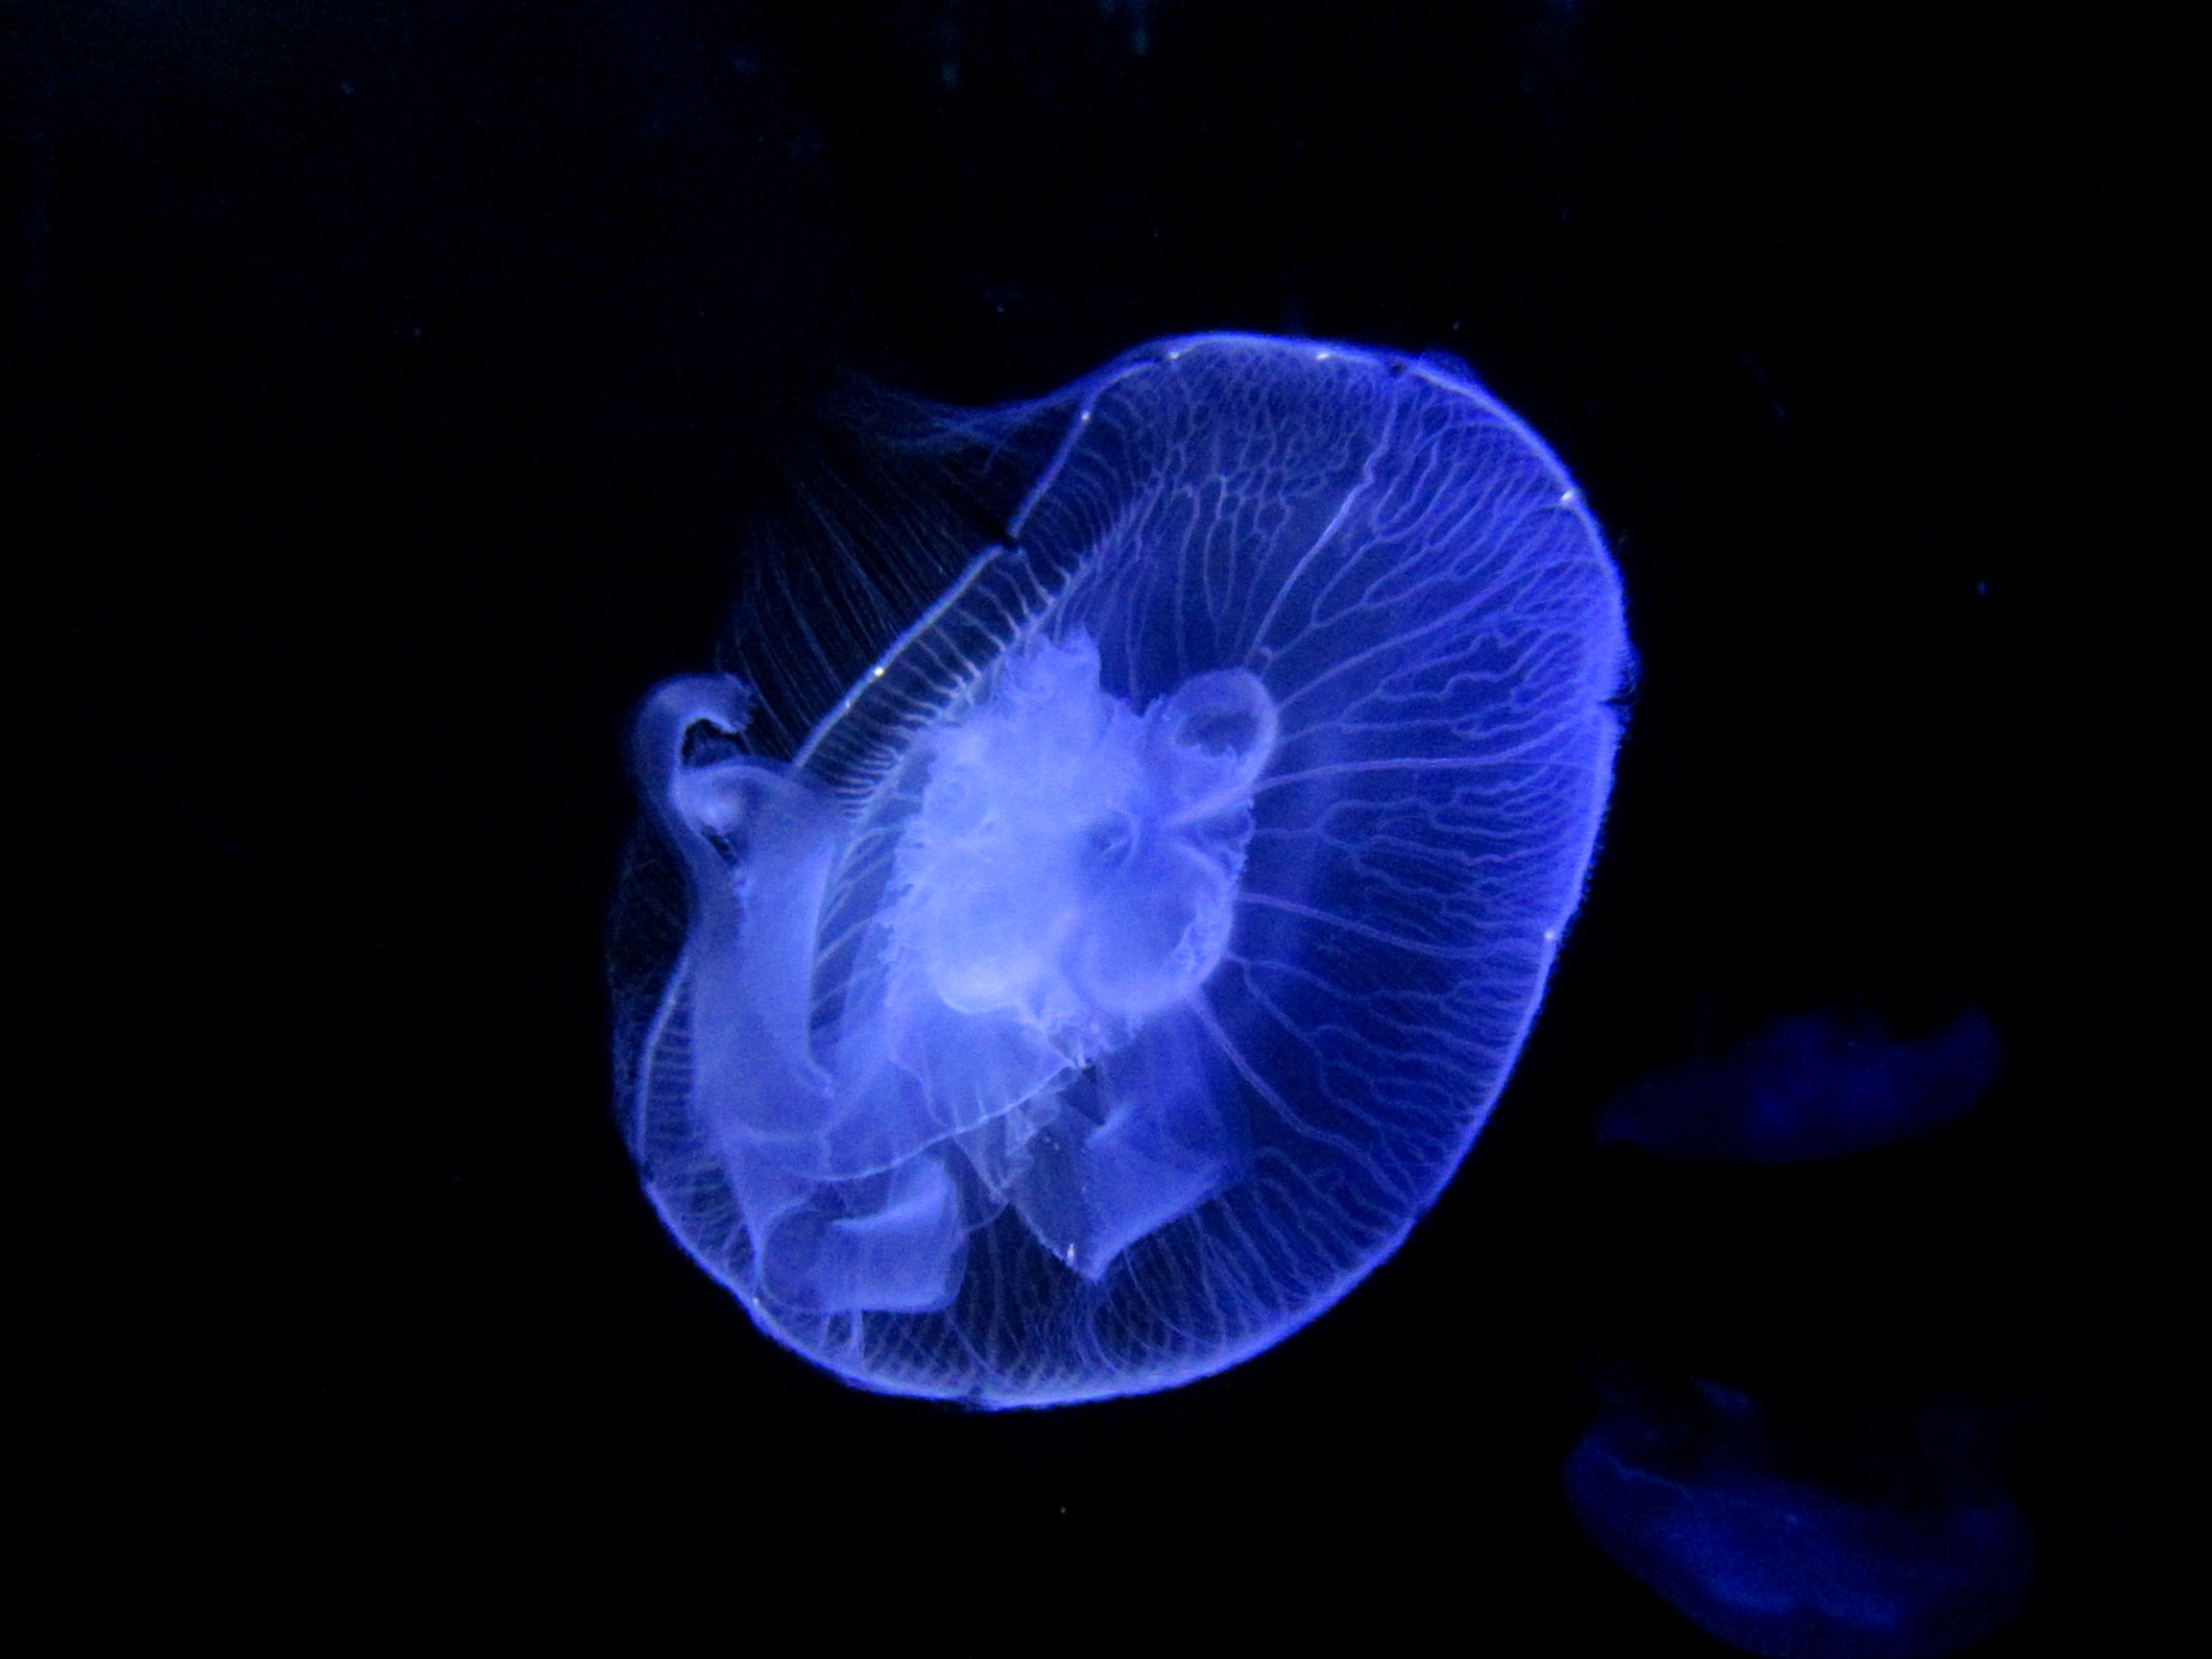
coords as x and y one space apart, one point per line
1062 893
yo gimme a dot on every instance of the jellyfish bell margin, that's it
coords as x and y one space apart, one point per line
1127 956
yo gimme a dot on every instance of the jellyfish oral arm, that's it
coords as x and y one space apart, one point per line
1068 884
1064 893
758 841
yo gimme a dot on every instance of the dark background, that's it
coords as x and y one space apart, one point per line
390 388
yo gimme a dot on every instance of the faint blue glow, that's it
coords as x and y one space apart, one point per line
1809 1086
1706 1503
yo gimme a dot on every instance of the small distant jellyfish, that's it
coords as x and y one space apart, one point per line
1926 1559
1812 1086
1122 961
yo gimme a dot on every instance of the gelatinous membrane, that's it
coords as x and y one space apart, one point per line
1810 1087
1116 970
1925 1557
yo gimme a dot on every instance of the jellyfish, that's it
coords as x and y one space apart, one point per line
1809 1086
1918 1555
1124 958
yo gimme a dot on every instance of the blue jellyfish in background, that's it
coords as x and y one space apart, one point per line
1809 1086
1127 955
1925 1559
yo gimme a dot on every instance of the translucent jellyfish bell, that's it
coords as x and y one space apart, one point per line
1118 967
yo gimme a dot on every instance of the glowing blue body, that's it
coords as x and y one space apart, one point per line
1811 1087
1115 974
1782 1568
